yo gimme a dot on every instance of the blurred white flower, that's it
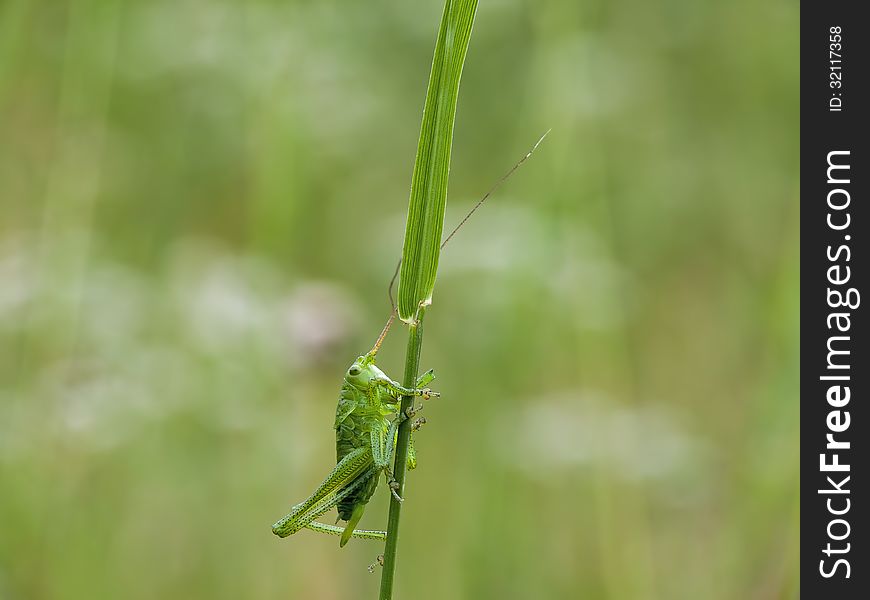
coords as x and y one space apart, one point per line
574 430
317 317
17 281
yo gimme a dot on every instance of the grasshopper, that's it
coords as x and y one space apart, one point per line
366 424
365 437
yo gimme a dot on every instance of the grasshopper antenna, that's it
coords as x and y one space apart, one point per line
381 337
480 202
495 187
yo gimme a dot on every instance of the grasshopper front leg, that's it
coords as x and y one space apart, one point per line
412 451
425 379
397 390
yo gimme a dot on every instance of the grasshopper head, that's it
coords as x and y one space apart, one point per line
362 372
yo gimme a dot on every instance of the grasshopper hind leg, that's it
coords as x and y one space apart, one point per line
364 534
379 561
350 473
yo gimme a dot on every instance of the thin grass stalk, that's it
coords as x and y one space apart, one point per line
412 368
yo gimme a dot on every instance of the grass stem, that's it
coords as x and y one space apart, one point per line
412 367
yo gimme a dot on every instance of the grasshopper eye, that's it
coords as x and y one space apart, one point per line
354 371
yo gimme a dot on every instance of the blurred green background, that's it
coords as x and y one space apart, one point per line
202 204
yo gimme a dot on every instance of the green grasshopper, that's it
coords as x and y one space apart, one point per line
366 424
365 437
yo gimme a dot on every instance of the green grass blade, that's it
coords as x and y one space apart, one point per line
432 165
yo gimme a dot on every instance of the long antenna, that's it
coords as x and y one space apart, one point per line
480 202
381 337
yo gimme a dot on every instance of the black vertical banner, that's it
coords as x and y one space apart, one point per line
835 222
